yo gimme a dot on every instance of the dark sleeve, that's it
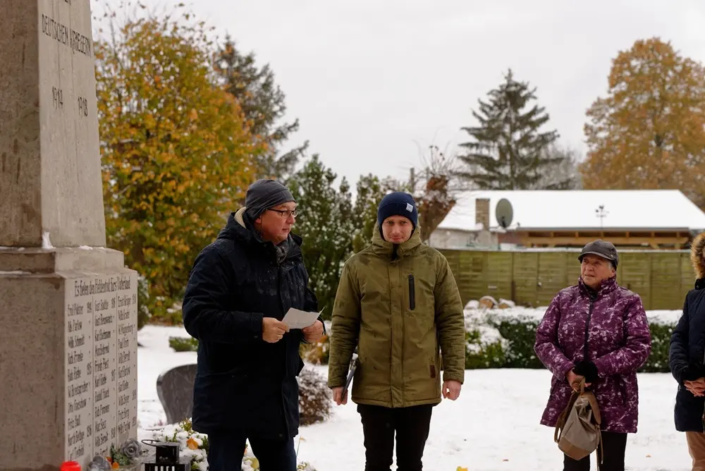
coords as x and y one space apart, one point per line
310 303
205 312
678 353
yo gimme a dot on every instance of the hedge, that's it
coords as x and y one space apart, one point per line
515 348
510 345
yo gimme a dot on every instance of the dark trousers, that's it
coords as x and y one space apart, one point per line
379 424
614 444
227 450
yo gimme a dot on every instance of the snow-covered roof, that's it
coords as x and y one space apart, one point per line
576 210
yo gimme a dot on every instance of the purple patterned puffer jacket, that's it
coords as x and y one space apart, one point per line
619 342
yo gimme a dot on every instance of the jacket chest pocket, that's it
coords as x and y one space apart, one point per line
418 294
412 293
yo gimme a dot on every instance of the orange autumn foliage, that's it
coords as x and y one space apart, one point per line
649 132
176 150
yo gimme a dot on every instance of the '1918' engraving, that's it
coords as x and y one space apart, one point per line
82 107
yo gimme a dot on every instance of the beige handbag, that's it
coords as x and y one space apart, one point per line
578 427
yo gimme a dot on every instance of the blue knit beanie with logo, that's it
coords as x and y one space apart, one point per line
398 204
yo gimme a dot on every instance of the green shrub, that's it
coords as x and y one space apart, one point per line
183 344
314 397
520 334
660 344
516 347
479 354
171 316
143 314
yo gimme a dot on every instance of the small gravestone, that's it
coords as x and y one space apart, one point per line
68 305
175 390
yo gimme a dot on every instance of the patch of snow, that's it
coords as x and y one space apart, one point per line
488 335
85 247
664 317
466 433
14 273
476 316
507 302
473 304
154 356
481 315
46 241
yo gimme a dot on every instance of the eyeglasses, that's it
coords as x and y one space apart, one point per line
285 213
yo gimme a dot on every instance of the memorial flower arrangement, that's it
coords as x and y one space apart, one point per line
195 446
192 444
99 463
127 456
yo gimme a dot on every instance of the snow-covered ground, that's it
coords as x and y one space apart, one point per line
474 313
493 426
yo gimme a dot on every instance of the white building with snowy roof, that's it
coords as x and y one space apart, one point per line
657 219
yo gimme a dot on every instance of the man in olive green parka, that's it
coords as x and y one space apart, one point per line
397 302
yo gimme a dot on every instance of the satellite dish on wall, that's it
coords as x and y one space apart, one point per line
504 213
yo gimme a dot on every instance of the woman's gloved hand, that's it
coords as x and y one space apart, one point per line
586 369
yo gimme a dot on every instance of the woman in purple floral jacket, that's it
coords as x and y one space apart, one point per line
596 330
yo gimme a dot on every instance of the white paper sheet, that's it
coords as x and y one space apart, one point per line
297 319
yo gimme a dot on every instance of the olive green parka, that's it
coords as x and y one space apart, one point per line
398 305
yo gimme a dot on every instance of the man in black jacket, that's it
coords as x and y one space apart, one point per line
686 361
240 288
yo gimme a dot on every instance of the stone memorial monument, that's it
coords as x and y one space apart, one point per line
68 305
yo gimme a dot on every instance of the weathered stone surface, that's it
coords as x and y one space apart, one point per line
68 357
68 315
49 155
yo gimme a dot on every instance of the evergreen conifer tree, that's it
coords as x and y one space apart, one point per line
508 150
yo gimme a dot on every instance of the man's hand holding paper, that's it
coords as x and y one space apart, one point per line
308 321
313 334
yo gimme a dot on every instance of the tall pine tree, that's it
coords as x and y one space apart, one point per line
508 150
262 103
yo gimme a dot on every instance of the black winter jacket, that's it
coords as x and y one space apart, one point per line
686 358
244 384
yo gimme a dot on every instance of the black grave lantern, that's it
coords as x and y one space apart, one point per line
166 458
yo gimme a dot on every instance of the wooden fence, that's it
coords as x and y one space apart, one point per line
533 277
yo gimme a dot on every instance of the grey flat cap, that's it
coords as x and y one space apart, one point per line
603 249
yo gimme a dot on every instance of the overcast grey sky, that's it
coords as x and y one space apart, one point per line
371 79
